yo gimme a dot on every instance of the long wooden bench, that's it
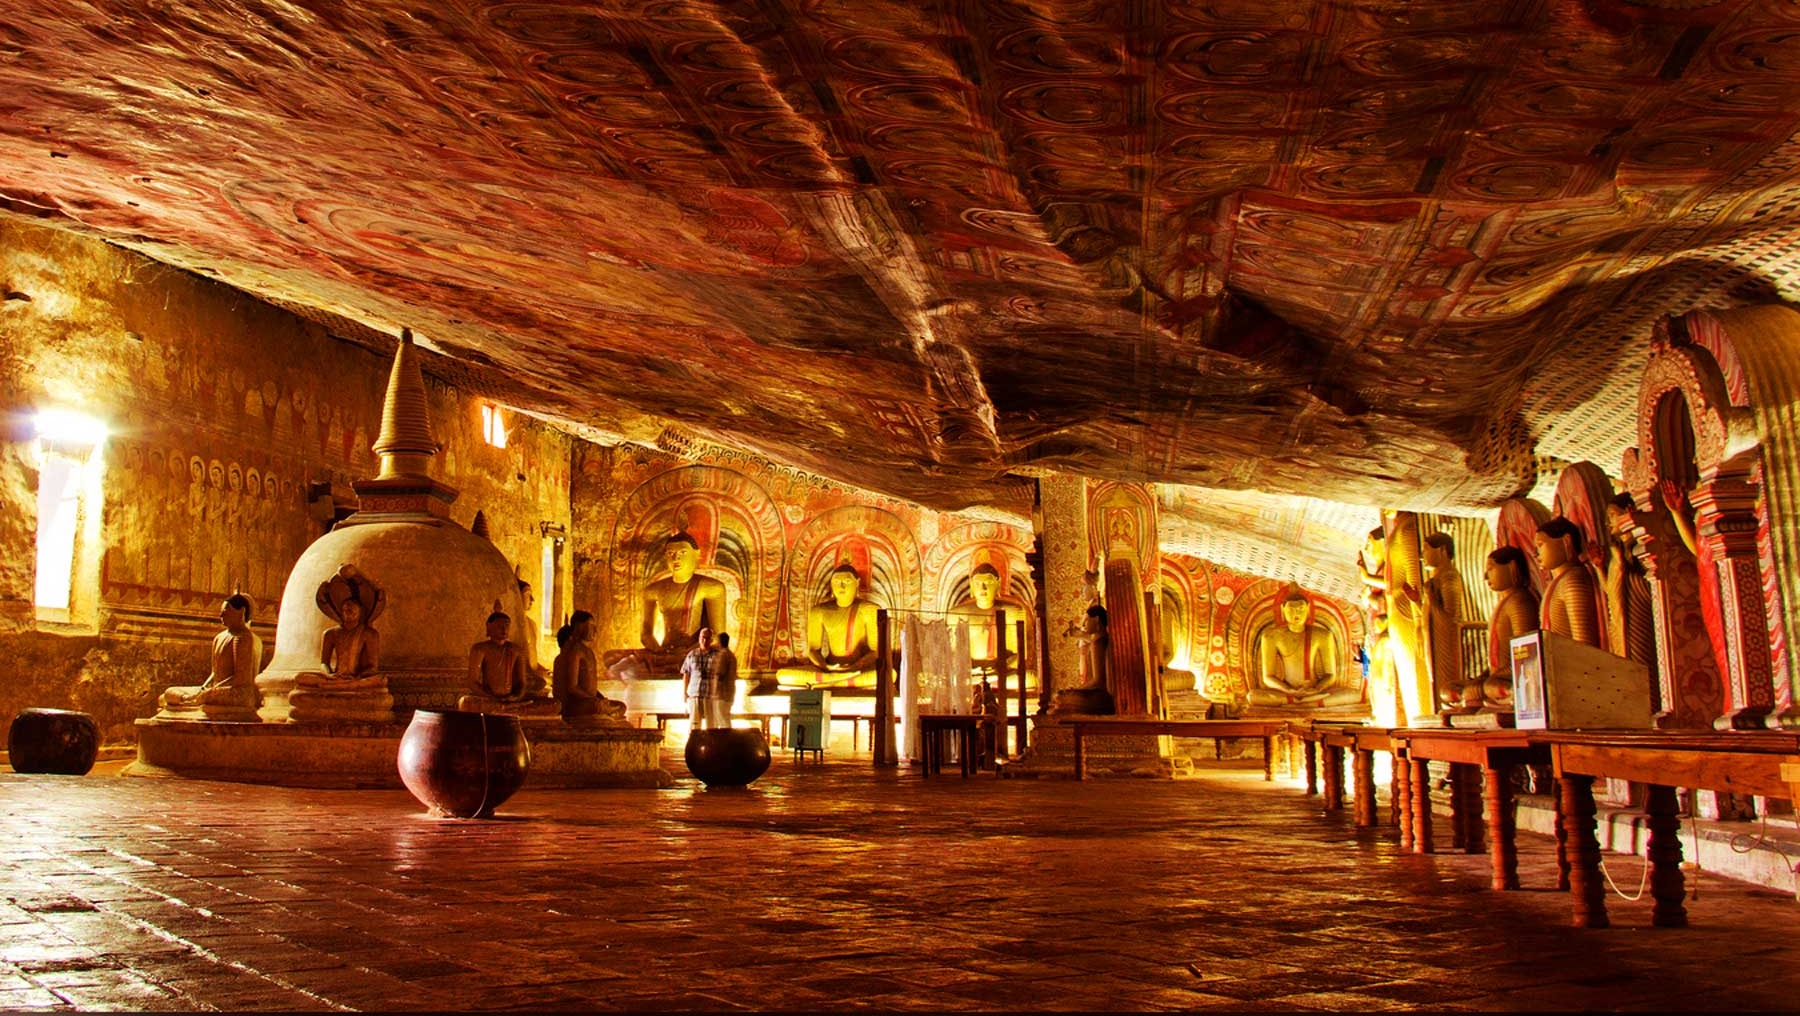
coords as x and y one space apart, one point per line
1266 730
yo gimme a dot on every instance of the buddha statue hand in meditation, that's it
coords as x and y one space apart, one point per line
575 677
229 691
498 679
351 686
1297 660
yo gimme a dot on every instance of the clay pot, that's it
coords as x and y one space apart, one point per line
59 741
463 765
727 756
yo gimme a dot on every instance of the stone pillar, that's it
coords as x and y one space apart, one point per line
1064 539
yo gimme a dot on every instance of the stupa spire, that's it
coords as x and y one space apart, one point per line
406 444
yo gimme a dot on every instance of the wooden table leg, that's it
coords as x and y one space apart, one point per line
1421 806
1080 754
1334 778
1459 809
1269 759
1362 774
966 737
1502 826
1561 830
1585 886
1667 884
1474 833
1312 767
1401 791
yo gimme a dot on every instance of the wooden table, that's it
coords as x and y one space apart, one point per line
1493 753
1128 725
1740 762
934 728
1325 744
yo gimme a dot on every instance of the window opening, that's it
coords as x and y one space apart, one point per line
493 426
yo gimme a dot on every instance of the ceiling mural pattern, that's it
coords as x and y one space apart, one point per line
1379 252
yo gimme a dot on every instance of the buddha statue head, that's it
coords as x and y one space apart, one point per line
682 555
1505 569
984 586
581 626
1296 610
845 584
1440 551
234 613
1558 543
499 626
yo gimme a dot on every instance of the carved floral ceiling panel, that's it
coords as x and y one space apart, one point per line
1379 252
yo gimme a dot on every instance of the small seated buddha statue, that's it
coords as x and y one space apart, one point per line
499 680
575 677
1515 614
840 638
351 686
1571 604
229 691
1092 698
675 608
1297 661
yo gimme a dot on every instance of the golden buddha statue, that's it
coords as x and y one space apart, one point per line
1297 660
841 638
229 691
1571 602
978 613
675 608
1438 608
1630 624
1515 614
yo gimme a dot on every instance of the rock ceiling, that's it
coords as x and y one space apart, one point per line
1383 252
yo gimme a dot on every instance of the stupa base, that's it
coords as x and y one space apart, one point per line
348 755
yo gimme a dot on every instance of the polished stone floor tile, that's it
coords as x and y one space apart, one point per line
822 888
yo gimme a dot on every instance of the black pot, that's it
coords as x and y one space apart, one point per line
463 765
727 756
59 741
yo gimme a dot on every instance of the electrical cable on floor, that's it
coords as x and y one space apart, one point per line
1694 864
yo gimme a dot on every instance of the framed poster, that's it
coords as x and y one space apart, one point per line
1529 712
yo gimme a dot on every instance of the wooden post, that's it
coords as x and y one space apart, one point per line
1020 631
881 738
1002 670
1502 826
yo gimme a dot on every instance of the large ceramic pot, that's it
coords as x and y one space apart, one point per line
59 741
463 765
727 756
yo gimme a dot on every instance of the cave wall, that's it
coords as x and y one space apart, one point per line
224 413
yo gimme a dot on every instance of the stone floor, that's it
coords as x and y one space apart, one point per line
824 887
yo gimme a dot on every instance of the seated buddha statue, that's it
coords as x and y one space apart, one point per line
575 678
840 638
350 687
1297 661
1571 602
675 608
1515 614
978 613
229 691
499 680
1095 642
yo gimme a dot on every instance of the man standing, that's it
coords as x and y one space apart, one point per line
700 669
725 680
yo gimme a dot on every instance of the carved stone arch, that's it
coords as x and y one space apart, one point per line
1254 609
747 554
894 565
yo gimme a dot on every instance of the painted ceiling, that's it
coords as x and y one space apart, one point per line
1375 253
